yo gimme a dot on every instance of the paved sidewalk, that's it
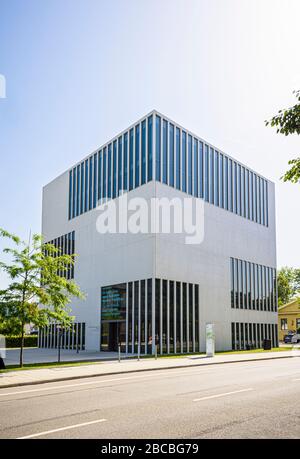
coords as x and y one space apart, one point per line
105 368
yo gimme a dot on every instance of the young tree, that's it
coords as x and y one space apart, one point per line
39 290
287 122
288 284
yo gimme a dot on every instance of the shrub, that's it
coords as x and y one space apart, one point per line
15 341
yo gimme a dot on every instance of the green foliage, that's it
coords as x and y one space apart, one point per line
16 341
288 284
39 290
287 122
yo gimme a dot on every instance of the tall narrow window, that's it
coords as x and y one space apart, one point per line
99 176
109 171
104 192
120 165
78 191
178 159
131 159
206 174
125 167
221 173
91 184
171 155
137 155
150 148
165 151
183 158
86 184
74 193
158 147
242 191
82 189
239 190
211 175
201 170
216 179
235 188
143 178
226 182
190 165
70 195
95 180
230 186
196 169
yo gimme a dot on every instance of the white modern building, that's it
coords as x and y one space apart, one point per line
148 289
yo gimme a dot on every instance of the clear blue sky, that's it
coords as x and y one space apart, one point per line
80 71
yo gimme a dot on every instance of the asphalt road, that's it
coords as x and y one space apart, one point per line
240 400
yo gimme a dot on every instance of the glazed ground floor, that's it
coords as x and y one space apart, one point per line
155 315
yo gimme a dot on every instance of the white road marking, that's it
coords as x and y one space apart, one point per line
62 428
298 379
222 395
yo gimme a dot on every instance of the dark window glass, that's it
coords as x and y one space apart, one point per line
157 314
232 281
143 152
178 159
158 147
165 151
78 191
130 306
184 315
197 342
95 180
120 165
183 162
149 312
238 190
131 159
109 171
125 180
82 189
190 316
86 185
211 175
115 178
190 165
164 315
230 186
221 172
99 176
216 179
206 178
104 193
74 193
171 315
232 336
136 325
243 209
178 317
91 184
150 147
143 317
196 169
201 170
70 195
137 155
171 153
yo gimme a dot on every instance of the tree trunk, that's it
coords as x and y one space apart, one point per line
22 346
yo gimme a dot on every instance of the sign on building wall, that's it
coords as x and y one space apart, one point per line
210 340
113 302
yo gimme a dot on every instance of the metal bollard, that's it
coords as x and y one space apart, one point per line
119 348
156 352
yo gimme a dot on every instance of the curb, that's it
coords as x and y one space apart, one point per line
173 367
